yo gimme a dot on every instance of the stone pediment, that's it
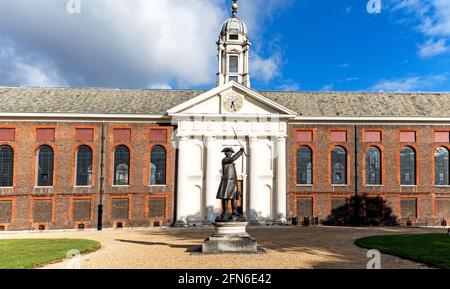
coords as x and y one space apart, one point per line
231 99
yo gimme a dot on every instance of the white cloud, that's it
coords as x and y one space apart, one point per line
289 86
344 65
129 43
266 68
433 20
327 87
409 83
29 70
433 48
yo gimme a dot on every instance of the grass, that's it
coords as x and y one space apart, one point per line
430 249
31 253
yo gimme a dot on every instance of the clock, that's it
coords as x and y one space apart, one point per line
233 102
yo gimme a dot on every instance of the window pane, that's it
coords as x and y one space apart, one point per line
158 166
373 166
45 167
6 166
234 78
339 166
304 166
121 166
234 64
408 166
441 168
84 166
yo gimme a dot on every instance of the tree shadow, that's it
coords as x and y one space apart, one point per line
362 211
189 248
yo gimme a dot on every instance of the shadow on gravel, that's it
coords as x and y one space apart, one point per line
189 248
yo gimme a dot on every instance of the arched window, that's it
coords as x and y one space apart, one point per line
339 166
407 166
304 166
373 166
84 166
121 166
441 167
6 166
45 166
158 166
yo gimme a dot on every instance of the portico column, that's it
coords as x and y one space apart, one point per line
211 177
280 217
182 194
253 203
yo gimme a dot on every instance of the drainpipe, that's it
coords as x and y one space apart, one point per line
356 202
102 178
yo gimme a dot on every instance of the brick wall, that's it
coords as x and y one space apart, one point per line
26 207
430 208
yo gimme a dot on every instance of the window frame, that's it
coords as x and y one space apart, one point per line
298 165
414 167
151 163
116 164
435 167
77 166
38 160
366 164
11 165
345 169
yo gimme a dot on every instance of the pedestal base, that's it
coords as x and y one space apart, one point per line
230 237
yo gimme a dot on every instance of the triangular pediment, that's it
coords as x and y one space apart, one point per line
231 99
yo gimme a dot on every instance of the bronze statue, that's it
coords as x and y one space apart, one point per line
228 187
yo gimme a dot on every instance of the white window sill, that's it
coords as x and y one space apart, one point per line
305 186
339 185
120 186
157 186
82 187
43 187
1 188
408 186
375 186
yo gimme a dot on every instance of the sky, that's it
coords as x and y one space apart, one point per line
305 45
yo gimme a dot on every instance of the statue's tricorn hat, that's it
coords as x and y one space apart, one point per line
225 150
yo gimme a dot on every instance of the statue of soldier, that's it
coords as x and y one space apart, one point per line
228 186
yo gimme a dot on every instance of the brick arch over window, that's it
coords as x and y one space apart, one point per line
408 161
338 166
84 166
45 163
122 166
158 165
373 166
6 166
441 166
304 166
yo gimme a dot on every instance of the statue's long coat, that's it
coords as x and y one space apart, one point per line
228 184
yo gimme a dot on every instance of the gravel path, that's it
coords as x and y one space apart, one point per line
286 247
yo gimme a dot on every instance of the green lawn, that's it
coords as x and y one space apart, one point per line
431 249
30 253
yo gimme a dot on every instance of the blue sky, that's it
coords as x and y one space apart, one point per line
308 45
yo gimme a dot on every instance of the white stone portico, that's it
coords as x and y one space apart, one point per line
207 124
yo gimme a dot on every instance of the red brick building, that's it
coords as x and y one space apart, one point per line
152 157
48 135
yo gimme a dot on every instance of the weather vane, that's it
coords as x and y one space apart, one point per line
235 7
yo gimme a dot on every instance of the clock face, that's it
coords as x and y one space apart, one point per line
233 102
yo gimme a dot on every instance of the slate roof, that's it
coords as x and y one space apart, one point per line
157 102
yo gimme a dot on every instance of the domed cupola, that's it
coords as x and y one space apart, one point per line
233 50
234 25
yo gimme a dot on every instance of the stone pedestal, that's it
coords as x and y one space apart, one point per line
230 238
